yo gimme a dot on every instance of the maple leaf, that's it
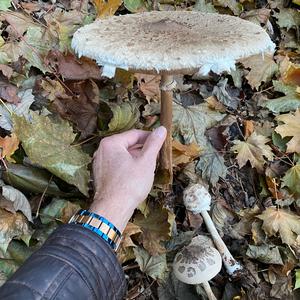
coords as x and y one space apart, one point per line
149 85
48 144
254 149
262 69
292 179
12 226
190 123
106 8
291 100
156 227
290 73
9 145
183 154
290 128
282 221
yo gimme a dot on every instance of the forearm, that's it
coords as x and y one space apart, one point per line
74 263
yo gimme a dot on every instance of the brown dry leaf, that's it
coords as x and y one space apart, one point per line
214 104
183 154
248 128
125 251
149 85
72 68
12 226
273 188
254 149
262 69
6 70
8 92
107 8
9 145
290 128
290 73
155 229
282 221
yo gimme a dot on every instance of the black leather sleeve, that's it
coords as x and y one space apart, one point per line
74 263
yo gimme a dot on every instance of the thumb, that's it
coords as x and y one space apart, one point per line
154 142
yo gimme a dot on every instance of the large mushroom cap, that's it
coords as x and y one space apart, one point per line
196 198
197 263
171 41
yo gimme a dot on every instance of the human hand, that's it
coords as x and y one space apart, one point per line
123 167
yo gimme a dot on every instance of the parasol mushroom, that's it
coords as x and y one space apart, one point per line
197 263
197 199
168 43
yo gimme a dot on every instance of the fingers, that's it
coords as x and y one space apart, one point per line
154 142
128 138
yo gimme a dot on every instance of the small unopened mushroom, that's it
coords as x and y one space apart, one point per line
197 199
168 43
197 263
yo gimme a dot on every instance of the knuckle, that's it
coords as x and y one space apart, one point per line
105 143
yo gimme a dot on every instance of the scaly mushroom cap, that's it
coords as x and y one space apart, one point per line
196 198
171 41
197 263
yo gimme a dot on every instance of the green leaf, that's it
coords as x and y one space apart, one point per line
292 178
190 123
59 209
114 118
288 18
266 254
154 266
135 5
297 282
7 268
12 226
5 4
205 7
48 144
291 100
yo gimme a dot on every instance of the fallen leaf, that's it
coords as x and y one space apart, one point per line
19 200
12 226
135 5
107 8
48 144
58 209
183 154
9 145
5 4
204 6
21 109
233 5
6 71
153 266
113 118
191 123
248 128
297 282
8 92
254 150
125 250
282 221
263 68
156 228
291 100
149 85
72 68
267 254
290 72
7 268
287 18
290 128
292 179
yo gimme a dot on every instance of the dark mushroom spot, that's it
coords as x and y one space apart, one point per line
191 272
181 269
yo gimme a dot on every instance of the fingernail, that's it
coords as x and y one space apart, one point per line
160 132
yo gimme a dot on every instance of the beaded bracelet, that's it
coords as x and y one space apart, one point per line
99 225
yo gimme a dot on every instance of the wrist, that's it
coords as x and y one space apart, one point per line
114 211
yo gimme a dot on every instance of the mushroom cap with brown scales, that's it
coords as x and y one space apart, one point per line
171 41
197 263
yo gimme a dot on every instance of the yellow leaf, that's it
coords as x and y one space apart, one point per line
291 128
125 251
281 221
107 8
254 149
9 145
262 69
183 154
290 73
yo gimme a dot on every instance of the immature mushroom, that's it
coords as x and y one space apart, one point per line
197 199
197 264
168 43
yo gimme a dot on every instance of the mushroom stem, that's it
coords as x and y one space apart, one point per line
166 167
208 290
230 263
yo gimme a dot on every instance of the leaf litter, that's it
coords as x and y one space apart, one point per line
238 134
